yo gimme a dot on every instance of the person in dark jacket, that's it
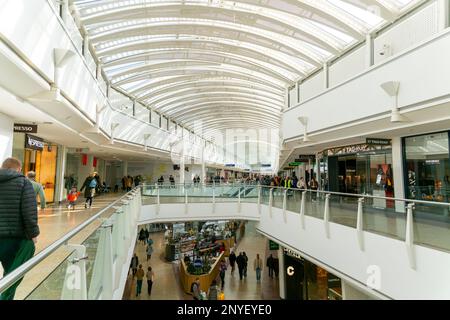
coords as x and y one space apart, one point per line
232 259
89 186
240 261
18 220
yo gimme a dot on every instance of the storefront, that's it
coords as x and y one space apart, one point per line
427 167
360 169
307 281
39 156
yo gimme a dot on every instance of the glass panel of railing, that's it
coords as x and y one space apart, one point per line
384 216
344 209
431 225
249 193
226 193
293 200
172 194
51 288
315 204
278 195
265 195
198 193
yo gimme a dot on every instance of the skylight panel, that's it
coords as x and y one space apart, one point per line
367 17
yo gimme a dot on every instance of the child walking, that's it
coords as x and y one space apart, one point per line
72 198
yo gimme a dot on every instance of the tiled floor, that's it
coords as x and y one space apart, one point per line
54 222
167 285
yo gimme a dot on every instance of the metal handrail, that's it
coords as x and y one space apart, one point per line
12 277
356 195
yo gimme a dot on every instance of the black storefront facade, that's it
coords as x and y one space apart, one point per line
307 281
359 169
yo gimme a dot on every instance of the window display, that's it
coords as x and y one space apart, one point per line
427 167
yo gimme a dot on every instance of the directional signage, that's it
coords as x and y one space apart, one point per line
295 164
305 158
26 128
273 245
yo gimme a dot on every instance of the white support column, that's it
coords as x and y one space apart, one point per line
65 10
360 224
259 198
444 14
326 215
75 287
369 59
185 201
125 168
60 195
182 168
203 173
398 173
302 209
239 200
214 199
270 201
86 45
326 76
409 237
281 273
284 205
158 202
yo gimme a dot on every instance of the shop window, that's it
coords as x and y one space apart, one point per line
427 167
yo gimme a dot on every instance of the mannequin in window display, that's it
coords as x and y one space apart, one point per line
412 184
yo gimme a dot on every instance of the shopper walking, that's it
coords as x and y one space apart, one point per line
38 188
150 278
223 269
139 278
134 264
245 264
149 252
269 265
18 220
314 186
258 266
89 189
232 259
240 261
195 289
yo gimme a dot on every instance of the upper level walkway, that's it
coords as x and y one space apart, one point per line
402 243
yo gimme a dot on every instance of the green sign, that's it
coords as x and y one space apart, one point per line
273 245
294 164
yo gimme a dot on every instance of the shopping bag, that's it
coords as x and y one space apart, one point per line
221 296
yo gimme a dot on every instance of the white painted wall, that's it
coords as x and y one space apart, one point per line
362 97
349 292
6 136
311 87
414 29
347 67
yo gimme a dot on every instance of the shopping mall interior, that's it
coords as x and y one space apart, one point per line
225 150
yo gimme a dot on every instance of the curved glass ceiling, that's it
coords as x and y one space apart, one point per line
226 63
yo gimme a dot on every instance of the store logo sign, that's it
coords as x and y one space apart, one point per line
35 143
27 128
290 270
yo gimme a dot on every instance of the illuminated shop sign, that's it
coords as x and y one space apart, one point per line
357 148
377 141
292 253
27 128
35 143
